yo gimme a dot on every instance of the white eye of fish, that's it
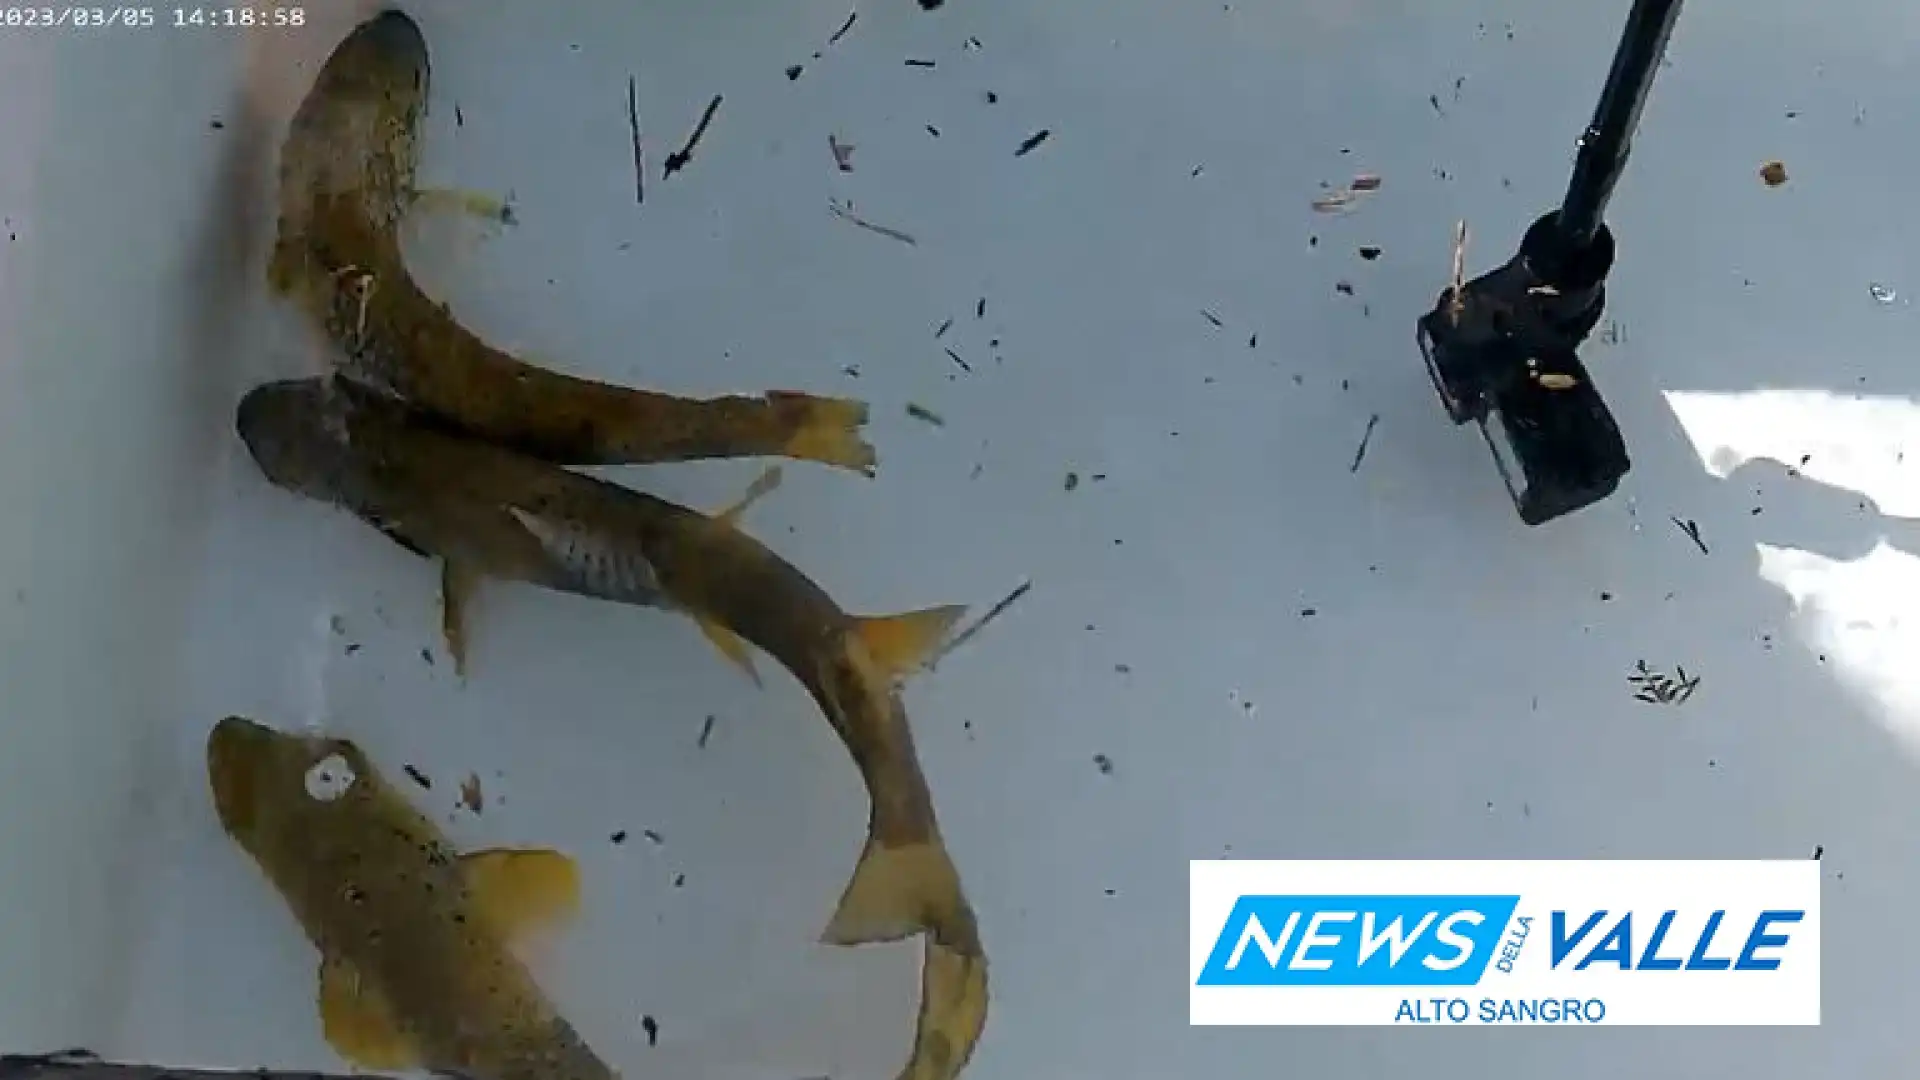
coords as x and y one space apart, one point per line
329 778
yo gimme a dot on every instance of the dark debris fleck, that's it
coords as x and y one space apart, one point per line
1028 145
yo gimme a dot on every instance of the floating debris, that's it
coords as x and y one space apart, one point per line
993 613
471 796
1691 529
844 211
842 153
852 16
1345 197
418 777
1032 141
920 63
680 158
926 415
1656 688
962 364
1365 438
1104 764
1369 252
1212 318
1073 481
639 152
1882 293
942 331
652 1027
793 72
1773 173
706 732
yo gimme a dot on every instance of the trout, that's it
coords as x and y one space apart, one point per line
347 176
486 512
416 966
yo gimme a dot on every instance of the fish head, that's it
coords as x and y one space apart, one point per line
357 129
274 791
296 430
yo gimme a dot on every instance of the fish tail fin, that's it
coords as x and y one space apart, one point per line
826 430
900 643
953 1012
896 892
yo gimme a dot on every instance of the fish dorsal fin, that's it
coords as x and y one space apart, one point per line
358 1024
730 645
901 643
521 891
762 485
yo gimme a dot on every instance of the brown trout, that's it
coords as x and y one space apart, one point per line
486 512
416 966
347 183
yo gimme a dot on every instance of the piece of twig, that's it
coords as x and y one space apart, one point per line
680 158
1692 530
81 1065
1365 438
842 153
639 155
966 635
844 27
846 213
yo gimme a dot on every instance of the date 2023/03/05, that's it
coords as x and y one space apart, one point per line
29 17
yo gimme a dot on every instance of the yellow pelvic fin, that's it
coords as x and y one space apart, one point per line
457 585
953 1012
520 891
358 1024
901 643
731 646
762 485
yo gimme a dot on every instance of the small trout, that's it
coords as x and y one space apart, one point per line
416 969
485 512
346 185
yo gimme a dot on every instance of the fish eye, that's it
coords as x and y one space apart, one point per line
330 778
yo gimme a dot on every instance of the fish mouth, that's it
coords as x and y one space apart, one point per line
237 751
285 426
388 43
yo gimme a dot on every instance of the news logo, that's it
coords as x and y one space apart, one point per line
1428 942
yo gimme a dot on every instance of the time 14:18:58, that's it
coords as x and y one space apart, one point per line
239 17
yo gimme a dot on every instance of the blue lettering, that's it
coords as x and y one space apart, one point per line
1616 947
1700 961
1563 945
1760 939
1651 960
1542 1011
1358 941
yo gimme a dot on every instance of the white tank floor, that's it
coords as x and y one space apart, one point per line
1273 652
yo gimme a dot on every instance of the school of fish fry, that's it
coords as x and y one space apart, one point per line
460 453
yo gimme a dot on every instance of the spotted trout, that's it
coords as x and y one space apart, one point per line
416 969
347 183
487 512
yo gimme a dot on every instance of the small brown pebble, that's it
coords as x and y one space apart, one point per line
1773 173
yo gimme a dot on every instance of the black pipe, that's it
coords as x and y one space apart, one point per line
1609 138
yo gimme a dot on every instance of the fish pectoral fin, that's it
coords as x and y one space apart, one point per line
457 586
762 485
901 643
731 646
521 891
358 1024
478 204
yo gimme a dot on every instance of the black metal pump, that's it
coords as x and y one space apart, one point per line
1506 343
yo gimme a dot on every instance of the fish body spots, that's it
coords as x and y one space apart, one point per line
329 778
